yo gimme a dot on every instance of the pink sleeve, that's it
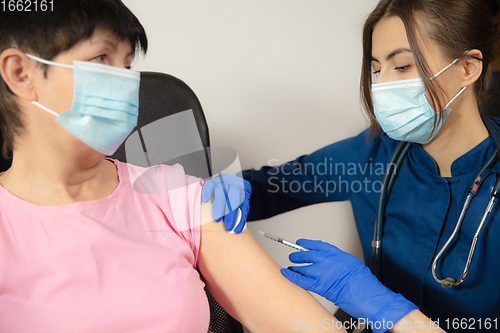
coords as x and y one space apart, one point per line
184 196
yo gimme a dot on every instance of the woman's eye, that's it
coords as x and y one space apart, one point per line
375 75
100 57
402 68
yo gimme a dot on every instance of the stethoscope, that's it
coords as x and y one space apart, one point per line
390 176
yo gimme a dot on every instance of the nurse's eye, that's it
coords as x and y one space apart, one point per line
402 68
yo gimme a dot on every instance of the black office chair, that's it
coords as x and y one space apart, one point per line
172 128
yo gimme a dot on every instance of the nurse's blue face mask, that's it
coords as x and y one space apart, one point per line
403 111
105 104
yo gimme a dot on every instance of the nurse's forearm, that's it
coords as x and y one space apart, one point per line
285 188
416 321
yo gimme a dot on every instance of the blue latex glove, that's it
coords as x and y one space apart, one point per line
230 193
344 280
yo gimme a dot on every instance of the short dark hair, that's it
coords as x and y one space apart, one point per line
59 28
455 25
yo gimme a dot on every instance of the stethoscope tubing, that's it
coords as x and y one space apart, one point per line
389 178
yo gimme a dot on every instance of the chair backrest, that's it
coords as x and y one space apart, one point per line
4 164
171 124
172 128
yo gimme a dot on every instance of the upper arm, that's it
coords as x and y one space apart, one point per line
249 285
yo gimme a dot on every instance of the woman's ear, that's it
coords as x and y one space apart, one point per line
18 71
473 67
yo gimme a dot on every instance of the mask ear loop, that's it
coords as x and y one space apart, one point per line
47 62
453 63
461 91
441 71
44 108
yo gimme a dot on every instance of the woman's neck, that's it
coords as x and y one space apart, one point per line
462 131
55 182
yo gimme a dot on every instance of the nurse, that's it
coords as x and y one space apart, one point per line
426 65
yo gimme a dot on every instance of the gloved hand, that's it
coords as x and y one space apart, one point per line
344 280
230 193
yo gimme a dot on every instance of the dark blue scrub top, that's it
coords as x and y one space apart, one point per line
421 214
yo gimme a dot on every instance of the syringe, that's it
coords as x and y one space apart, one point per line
283 241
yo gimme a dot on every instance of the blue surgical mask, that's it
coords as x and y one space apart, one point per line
403 111
105 104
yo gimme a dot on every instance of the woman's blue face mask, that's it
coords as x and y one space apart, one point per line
403 111
105 104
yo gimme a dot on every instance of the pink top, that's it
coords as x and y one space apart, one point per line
125 263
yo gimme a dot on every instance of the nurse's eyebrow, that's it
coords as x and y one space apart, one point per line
394 53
